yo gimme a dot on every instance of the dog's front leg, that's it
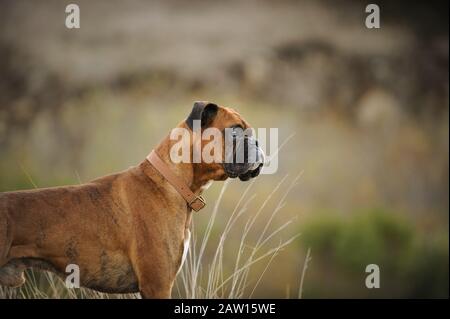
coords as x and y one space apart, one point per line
155 278
149 292
155 287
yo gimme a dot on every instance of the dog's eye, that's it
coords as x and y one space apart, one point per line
236 131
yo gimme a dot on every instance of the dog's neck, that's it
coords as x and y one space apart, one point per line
196 176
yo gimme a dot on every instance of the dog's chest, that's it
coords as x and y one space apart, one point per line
187 238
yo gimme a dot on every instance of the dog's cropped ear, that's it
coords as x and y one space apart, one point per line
203 111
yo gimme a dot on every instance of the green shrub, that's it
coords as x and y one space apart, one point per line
411 263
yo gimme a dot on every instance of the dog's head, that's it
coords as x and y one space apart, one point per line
241 156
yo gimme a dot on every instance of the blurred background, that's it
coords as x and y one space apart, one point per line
368 107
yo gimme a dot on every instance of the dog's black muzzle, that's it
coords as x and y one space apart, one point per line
245 159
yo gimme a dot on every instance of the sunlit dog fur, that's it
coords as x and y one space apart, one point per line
125 231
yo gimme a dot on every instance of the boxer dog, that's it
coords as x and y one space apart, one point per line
127 232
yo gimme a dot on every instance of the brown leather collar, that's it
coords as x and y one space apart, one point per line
195 202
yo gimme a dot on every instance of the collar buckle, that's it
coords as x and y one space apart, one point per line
197 203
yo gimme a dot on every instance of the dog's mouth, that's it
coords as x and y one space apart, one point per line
250 173
244 171
239 170
245 158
